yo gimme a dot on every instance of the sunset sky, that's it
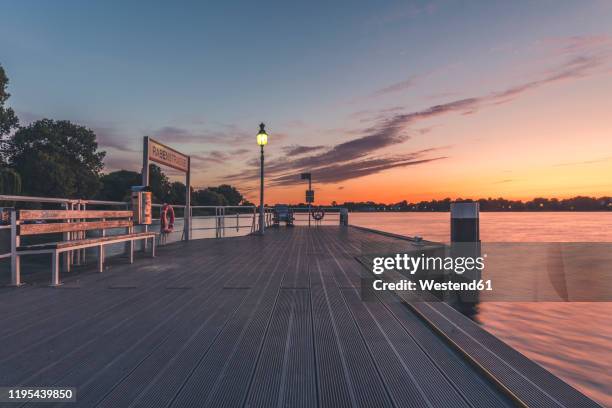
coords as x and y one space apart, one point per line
381 101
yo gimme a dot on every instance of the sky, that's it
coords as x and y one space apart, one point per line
382 101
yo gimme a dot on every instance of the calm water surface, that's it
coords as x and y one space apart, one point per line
572 340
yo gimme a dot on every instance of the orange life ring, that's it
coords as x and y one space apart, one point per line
166 219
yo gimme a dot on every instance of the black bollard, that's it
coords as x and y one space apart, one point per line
465 226
465 242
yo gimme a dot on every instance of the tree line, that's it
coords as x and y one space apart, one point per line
579 203
57 158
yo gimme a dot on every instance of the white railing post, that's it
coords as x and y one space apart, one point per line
217 232
66 236
84 235
15 261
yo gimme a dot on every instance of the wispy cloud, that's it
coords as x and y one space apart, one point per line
107 134
577 44
573 68
219 156
176 134
578 163
359 168
355 158
228 135
119 161
396 87
109 137
296 150
327 170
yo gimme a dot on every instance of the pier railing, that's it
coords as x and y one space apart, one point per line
207 221
304 215
225 221
229 220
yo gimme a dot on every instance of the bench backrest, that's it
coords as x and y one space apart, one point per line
70 220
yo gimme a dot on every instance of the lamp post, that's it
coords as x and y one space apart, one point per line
262 140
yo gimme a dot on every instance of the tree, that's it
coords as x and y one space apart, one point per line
116 186
159 183
56 159
208 197
177 193
231 194
10 184
10 181
8 119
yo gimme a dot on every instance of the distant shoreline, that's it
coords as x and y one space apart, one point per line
538 204
490 211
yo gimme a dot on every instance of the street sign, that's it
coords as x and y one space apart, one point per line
153 151
310 196
168 156
305 176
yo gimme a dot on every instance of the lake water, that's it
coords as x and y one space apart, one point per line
571 339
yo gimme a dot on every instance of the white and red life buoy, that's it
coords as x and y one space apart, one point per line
166 219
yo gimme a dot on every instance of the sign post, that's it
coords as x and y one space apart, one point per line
153 151
309 192
145 161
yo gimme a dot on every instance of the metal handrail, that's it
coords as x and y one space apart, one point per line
318 206
220 212
224 206
54 200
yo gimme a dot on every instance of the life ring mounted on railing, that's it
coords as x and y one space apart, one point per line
317 214
166 219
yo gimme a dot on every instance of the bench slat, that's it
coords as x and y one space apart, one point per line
71 214
88 241
33 229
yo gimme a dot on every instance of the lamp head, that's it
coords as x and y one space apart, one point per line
262 136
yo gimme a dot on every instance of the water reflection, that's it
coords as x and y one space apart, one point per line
571 339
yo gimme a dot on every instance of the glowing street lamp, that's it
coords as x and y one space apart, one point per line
262 140
262 136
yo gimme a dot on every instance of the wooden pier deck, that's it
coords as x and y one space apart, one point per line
274 321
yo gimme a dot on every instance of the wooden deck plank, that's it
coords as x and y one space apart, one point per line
347 372
224 373
476 391
285 374
94 374
158 379
251 321
533 371
380 327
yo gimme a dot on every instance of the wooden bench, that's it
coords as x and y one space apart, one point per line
70 223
